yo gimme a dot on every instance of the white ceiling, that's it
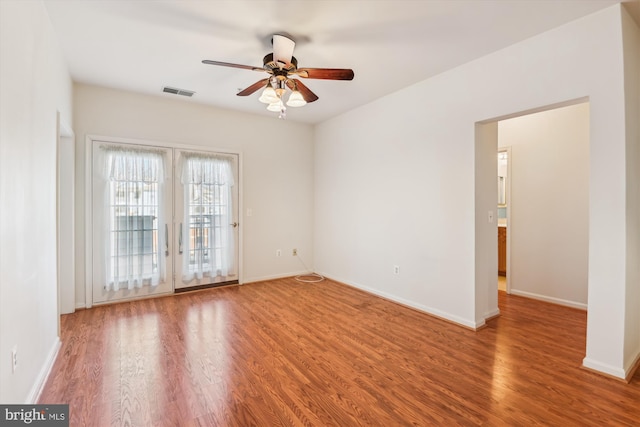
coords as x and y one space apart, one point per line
144 45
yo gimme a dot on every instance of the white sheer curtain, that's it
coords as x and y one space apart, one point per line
134 232
208 235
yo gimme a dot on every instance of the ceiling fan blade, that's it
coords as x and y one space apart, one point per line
229 64
326 73
254 87
282 49
304 91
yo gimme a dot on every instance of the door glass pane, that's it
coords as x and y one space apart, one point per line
134 189
207 206
208 183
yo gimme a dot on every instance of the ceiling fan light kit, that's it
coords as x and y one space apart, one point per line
276 106
282 67
296 99
269 95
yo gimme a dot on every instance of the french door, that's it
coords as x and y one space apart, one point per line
162 219
205 218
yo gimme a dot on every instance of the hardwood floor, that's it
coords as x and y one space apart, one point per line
286 353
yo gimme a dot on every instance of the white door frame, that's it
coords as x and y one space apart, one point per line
89 139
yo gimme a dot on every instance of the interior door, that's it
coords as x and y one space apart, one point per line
132 206
206 227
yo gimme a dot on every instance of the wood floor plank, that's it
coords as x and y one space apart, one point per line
287 353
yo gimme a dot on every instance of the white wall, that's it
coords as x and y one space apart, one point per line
395 179
34 87
549 203
277 175
631 41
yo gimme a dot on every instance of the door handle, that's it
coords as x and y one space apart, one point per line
180 240
166 239
234 224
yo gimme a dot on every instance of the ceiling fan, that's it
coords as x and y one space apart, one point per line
283 67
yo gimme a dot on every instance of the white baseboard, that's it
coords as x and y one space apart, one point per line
604 368
41 379
80 306
492 313
553 300
628 370
277 276
412 304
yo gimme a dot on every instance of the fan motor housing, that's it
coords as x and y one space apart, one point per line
272 66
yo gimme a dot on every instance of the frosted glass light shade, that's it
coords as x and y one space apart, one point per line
268 96
275 106
296 99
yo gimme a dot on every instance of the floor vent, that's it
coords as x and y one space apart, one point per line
175 91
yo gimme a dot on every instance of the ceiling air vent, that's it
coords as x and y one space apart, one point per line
175 91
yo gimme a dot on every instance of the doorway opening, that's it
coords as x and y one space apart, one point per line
504 199
547 219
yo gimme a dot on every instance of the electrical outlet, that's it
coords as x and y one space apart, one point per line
396 269
278 252
295 252
14 358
